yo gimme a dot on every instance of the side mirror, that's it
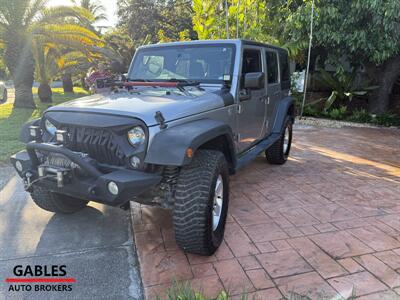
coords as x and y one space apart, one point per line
254 81
117 67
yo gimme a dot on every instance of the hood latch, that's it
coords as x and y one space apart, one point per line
160 120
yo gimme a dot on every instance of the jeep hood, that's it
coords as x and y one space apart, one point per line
144 106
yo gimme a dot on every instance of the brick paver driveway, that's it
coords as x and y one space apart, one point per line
325 225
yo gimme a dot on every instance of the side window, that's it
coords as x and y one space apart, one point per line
272 67
284 63
251 63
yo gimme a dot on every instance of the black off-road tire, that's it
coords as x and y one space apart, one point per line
276 154
194 201
56 203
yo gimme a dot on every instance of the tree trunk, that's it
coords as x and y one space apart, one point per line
19 60
68 85
44 92
83 83
385 75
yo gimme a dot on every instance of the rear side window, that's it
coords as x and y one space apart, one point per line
285 69
272 67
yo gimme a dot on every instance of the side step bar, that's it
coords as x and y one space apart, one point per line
248 156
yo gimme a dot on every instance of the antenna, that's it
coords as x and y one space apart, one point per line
237 19
308 60
227 18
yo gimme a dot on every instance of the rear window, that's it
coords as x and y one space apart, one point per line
284 61
272 67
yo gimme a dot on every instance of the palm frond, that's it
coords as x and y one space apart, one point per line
33 10
59 13
12 12
68 33
98 10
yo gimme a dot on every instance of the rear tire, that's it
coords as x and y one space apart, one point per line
201 203
56 203
278 153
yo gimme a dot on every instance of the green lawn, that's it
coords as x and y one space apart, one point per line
12 119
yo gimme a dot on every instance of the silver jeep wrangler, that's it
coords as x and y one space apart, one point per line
187 116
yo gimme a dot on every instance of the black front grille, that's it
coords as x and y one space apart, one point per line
99 144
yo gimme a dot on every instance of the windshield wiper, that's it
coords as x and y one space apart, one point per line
139 80
185 82
182 83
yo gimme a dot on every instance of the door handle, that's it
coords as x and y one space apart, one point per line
244 95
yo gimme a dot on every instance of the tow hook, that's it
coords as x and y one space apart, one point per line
27 182
126 205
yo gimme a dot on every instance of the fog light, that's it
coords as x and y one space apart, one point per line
135 162
113 188
61 136
18 166
34 131
41 171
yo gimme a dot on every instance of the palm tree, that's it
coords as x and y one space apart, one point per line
26 22
98 13
97 10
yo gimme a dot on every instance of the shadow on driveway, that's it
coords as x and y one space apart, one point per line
95 244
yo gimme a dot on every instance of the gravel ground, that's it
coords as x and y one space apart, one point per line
319 122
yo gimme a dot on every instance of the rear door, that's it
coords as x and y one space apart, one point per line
274 94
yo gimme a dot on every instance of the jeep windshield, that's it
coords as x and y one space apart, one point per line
190 63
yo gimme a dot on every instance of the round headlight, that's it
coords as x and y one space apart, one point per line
136 136
50 127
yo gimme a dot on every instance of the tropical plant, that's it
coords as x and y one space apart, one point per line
22 24
344 87
365 32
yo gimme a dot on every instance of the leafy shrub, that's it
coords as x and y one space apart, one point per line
386 119
311 111
337 113
360 116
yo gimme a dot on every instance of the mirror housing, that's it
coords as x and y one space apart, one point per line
117 67
254 81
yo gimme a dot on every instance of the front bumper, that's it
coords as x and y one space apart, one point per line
92 186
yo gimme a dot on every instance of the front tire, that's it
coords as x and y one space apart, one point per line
57 203
278 153
201 203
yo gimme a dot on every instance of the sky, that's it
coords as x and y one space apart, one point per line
110 6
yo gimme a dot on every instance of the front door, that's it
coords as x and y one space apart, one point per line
251 113
273 86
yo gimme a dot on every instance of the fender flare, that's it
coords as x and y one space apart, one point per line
24 135
169 146
284 108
